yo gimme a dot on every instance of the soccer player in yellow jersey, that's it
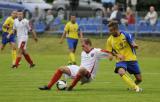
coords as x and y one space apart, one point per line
122 45
8 36
72 31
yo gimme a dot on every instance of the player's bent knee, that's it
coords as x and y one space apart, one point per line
121 71
82 71
63 69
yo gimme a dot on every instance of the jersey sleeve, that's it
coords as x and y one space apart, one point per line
109 45
28 26
102 53
129 38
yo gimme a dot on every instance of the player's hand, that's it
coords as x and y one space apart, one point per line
8 36
110 57
135 46
121 57
36 39
61 41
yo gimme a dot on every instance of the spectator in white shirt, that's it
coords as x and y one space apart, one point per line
116 14
49 18
151 16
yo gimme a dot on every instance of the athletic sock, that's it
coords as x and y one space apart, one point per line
18 59
28 58
14 56
129 81
55 78
75 81
72 56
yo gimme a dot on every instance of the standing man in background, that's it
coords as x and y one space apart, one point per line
8 36
71 31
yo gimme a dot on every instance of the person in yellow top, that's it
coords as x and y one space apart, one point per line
8 36
123 46
72 31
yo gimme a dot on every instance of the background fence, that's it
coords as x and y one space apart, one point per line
92 24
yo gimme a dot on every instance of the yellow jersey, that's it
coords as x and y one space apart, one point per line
9 22
72 30
122 45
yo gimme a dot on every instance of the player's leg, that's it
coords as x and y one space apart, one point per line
13 47
71 50
121 68
4 40
2 47
74 50
138 78
133 68
81 73
13 52
21 45
57 75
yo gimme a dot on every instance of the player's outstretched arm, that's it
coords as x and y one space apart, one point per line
34 35
62 37
81 34
134 45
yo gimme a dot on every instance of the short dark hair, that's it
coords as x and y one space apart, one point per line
20 11
113 24
87 41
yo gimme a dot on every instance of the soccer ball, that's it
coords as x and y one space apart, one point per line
61 85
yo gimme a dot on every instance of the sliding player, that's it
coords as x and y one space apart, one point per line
86 71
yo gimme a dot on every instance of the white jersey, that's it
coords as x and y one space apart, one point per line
90 60
22 27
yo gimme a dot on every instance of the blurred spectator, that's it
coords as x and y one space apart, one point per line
48 19
151 16
116 14
108 3
38 15
129 17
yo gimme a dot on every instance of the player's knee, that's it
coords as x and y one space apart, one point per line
14 48
139 80
82 71
62 69
121 71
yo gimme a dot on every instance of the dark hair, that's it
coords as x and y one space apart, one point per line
113 24
19 10
87 41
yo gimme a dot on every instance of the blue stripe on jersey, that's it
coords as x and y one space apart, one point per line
130 40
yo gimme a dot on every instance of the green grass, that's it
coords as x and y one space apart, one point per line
21 85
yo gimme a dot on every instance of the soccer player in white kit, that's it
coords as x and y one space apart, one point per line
22 27
86 71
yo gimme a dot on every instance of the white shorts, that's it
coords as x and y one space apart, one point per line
74 70
22 42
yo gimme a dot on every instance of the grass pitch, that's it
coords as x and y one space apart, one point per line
21 85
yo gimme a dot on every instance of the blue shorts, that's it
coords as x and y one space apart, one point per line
72 43
5 40
131 66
